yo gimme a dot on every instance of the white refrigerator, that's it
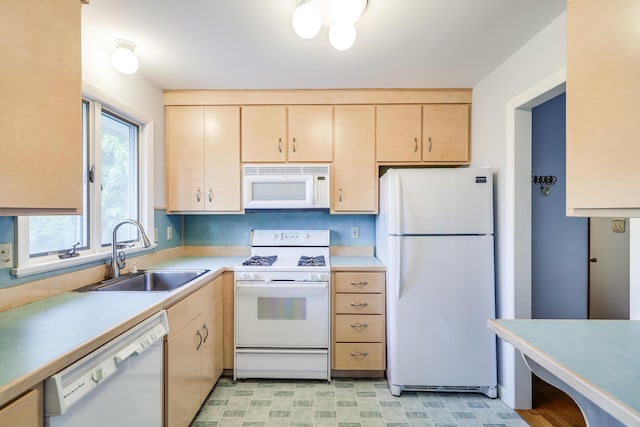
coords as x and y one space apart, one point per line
434 233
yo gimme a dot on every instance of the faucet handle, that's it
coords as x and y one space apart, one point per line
121 259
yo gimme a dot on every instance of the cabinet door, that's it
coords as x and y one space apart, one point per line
445 130
264 133
602 105
222 159
41 109
354 167
183 375
185 158
310 133
398 133
211 348
23 412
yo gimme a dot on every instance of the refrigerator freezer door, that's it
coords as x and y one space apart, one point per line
438 201
439 297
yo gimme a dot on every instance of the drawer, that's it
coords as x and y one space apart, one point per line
355 328
359 356
359 303
359 282
184 311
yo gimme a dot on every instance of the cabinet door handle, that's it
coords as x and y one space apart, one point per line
415 144
359 284
200 341
359 325
340 195
359 355
198 195
429 144
210 195
294 144
279 145
359 304
206 331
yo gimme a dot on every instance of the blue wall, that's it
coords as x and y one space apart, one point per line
234 230
559 243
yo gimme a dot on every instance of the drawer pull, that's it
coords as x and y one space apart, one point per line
359 284
359 304
359 325
359 355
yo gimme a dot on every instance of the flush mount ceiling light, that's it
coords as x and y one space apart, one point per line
308 18
123 58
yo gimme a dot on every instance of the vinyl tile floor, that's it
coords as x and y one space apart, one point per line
345 403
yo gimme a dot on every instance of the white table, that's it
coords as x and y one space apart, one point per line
596 362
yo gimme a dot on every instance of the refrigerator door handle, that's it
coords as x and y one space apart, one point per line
398 264
398 204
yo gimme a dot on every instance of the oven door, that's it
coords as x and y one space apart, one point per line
282 314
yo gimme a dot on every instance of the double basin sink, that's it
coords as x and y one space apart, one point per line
147 281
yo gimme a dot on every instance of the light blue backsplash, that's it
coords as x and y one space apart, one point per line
234 230
162 220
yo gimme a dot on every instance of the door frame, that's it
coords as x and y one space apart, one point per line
518 222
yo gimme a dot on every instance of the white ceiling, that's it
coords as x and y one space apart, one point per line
250 44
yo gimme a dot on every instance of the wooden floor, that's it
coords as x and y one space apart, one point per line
551 408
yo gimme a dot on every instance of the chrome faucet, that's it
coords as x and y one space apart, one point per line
115 266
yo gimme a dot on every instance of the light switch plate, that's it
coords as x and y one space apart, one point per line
617 225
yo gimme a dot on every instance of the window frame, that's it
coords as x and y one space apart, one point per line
97 252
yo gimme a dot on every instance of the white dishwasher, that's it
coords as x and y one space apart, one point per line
118 384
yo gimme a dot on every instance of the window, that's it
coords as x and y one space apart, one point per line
112 187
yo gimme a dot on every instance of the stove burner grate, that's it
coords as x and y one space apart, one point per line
260 260
312 261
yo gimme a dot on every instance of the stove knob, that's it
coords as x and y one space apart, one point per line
274 236
307 236
313 277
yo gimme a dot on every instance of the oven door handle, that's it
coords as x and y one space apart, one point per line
283 285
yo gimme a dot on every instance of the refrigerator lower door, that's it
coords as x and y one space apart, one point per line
440 293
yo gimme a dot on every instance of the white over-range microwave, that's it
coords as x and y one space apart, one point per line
286 186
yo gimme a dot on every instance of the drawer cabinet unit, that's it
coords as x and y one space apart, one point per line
194 352
359 322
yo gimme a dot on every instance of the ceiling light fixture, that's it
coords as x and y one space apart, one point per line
308 18
123 58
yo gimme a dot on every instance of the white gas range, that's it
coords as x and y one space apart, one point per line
282 306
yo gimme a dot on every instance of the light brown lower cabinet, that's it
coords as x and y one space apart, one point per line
358 323
25 411
193 352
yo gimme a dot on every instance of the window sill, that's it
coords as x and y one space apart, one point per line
59 264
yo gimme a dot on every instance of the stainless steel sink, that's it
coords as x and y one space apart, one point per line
147 281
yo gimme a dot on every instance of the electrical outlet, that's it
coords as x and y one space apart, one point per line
354 232
169 232
6 255
155 234
617 225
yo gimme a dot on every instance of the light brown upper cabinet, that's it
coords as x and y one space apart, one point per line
300 133
354 166
203 159
399 133
310 133
41 111
603 93
445 133
415 134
